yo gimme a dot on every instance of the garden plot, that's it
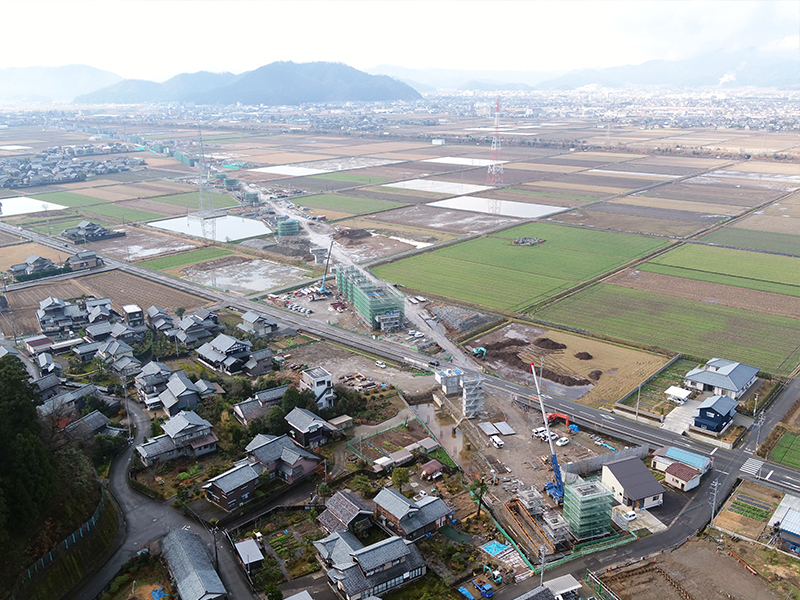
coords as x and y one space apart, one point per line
23 205
748 511
578 368
242 274
505 208
439 187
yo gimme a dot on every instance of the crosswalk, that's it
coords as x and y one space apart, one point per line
752 466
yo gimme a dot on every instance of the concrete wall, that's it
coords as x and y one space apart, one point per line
582 468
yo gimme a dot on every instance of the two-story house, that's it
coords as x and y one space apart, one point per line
256 324
196 328
185 434
133 315
151 381
179 394
282 457
307 429
409 519
159 319
259 404
358 572
86 259
234 487
320 382
225 353
715 412
344 511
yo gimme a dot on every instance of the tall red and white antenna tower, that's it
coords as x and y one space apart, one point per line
494 176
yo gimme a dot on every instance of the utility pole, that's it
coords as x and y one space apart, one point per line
541 573
759 423
216 556
712 498
638 397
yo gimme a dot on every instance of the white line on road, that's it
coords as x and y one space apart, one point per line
769 474
714 450
607 417
723 472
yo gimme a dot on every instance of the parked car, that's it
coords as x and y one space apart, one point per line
554 436
434 363
562 441
539 432
630 516
380 363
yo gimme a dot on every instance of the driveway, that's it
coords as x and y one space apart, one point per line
682 416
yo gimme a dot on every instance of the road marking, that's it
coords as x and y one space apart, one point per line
723 472
769 474
607 417
714 450
752 466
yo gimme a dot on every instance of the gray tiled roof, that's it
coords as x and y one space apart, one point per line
234 478
380 553
46 382
282 448
190 564
183 420
304 420
341 509
338 547
156 446
635 478
88 426
431 509
394 502
101 328
729 375
258 441
724 405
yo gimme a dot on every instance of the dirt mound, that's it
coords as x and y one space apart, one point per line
568 380
595 375
508 351
548 344
584 356
218 263
354 234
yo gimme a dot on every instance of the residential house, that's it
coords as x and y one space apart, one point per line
56 316
431 469
722 377
33 264
307 429
99 332
185 434
38 343
151 381
344 511
86 352
179 394
47 364
225 353
66 403
715 413
256 324
259 404
159 319
86 231
682 477
320 382
234 487
358 572
119 356
682 469
789 526
133 315
190 566
410 519
196 328
8 352
88 426
632 483
258 363
47 386
125 333
86 259
282 457
98 310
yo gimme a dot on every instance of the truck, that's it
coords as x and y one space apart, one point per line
486 590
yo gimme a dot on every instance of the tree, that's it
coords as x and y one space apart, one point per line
179 312
107 447
479 487
273 592
324 490
400 477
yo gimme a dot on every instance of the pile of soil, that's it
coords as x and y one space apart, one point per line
568 380
548 344
595 375
584 356
508 351
353 234
217 263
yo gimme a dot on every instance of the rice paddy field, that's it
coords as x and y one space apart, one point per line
184 259
348 205
780 243
520 275
787 451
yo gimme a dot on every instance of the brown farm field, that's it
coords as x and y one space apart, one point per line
122 288
750 494
140 244
717 293
632 223
7 239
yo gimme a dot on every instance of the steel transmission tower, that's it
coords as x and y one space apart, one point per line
494 175
205 210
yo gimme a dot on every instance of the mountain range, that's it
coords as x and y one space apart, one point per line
278 83
745 67
52 84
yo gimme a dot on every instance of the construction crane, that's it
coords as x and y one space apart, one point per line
554 488
322 289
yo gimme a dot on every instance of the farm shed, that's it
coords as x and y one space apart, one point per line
431 469
342 422
250 554
190 565
632 483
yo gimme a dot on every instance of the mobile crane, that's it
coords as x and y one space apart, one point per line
322 289
554 488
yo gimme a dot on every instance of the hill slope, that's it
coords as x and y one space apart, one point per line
52 84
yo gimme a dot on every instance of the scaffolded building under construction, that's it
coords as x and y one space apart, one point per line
587 508
377 303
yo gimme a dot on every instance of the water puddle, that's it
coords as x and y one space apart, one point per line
221 229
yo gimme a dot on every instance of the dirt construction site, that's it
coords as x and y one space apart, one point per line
699 570
573 367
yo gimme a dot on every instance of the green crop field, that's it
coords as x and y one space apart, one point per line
123 213
757 240
68 199
348 204
184 259
493 272
192 200
738 264
787 451
56 227
693 327
353 178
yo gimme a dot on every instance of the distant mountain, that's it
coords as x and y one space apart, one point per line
275 84
52 84
720 68
455 79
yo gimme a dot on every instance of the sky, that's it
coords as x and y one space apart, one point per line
156 39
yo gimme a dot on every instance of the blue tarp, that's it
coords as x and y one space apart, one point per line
158 594
494 548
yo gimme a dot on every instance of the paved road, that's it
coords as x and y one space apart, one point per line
149 520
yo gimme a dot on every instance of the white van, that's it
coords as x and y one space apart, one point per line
498 443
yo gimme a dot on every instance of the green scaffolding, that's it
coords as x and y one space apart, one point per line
587 508
375 301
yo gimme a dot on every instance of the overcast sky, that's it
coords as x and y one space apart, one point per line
156 39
